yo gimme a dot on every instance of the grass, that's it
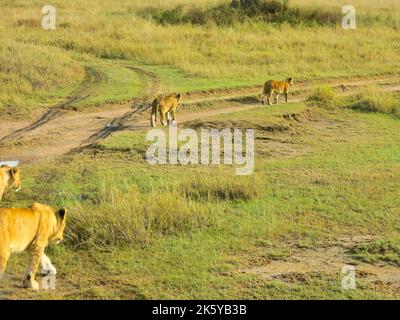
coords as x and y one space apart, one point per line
137 231
114 83
323 96
387 250
372 100
239 11
34 76
187 57
206 188
194 241
369 99
129 217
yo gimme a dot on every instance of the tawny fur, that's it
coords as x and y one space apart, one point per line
30 229
276 87
10 178
166 107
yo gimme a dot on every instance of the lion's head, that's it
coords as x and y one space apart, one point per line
58 235
14 181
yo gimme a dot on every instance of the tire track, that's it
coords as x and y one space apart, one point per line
92 77
69 133
153 85
224 94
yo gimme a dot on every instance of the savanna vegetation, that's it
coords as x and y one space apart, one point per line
264 39
326 169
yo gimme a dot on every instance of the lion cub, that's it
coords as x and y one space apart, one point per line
30 229
9 178
277 87
166 106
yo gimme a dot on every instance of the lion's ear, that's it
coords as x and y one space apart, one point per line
62 213
179 96
13 172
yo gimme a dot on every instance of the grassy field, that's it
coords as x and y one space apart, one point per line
330 176
189 56
325 189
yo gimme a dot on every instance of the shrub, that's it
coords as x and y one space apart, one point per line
208 188
126 217
371 100
171 16
323 96
270 11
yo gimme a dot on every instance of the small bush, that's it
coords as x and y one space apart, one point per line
234 188
371 100
171 16
118 217
323 96
238 11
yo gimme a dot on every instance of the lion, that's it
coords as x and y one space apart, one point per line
277 87
30 229
166 106
10 178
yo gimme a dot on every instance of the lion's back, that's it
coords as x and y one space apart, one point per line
274 85
20 226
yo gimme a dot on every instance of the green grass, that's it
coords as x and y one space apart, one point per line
33 76
186 57
323 96
313 186
141 231
372 100
387 250
114 84
176 80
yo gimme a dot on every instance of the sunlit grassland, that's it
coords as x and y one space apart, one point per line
186 57
314 182
32 76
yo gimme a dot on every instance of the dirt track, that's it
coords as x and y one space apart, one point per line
66 130
61 130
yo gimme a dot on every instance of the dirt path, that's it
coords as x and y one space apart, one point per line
65 131
92 77
303 263
59 131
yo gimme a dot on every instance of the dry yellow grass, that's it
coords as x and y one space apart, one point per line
249 52
30 74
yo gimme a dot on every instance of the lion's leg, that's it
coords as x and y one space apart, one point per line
3 263
163 118
286 96
4 252
269 98
169 117
153 120
277 98
35 256
173 111
1 192
47 266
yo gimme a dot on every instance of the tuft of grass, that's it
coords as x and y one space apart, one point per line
127 217
323 96
231 188
372 100
387 250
